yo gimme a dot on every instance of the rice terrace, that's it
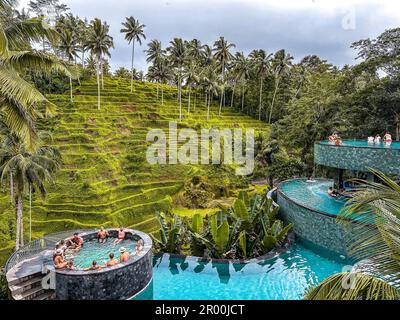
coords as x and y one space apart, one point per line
142 159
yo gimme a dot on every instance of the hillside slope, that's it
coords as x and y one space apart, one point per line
105 179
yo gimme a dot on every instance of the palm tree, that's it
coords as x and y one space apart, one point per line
281 67
30 169
210 84
133 32
191 76
223 56
162 73
261 63
378 238
177 55
241 72
154 55
99 42
69 48
19 99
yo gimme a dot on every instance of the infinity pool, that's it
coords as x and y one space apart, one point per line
285 277
313 195
365 144
92 250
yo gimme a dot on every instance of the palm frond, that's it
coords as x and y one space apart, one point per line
36 61
353 286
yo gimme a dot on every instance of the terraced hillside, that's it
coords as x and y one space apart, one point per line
105 179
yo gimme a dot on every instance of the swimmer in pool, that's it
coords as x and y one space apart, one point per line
332 192
112 261
387 139
371 140
121 235
102 235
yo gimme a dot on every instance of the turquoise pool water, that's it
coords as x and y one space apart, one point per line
365 144
285 277
92 250
313 195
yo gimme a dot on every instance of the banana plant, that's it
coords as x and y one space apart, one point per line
171 232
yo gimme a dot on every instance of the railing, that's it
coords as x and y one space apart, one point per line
36 246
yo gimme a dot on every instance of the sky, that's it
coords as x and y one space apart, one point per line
302 27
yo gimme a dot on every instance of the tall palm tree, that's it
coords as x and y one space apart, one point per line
261 63
20 100
69 48
191 74
241 72
223 56
31 171
281 67
162 73
133 33
177 55
99 42
378 240
210 84
154 55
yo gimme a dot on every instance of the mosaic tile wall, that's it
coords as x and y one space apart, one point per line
358 158
313 226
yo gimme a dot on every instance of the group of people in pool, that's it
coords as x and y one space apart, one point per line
335 139
387 139
76 242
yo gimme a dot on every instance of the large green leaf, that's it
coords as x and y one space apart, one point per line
197 223
222 236
240 210
268 242
244 196
214 225
243 243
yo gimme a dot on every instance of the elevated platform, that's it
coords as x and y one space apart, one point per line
358 155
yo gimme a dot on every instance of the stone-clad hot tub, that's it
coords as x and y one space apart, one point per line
119 282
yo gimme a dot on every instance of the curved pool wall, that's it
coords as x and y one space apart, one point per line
315 226
119 282
358 155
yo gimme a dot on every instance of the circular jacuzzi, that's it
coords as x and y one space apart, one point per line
120 282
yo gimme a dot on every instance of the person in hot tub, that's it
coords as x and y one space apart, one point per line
124 255
102 235
387 138
121 235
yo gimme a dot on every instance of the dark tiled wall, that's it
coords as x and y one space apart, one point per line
358 158
320 229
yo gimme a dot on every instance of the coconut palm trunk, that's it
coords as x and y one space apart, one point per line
12 187
233 94
162 96
70 87
208 106
223 89
102 76
260 102
273 100
190 89
133 60
98 84
180 98
19 235
243 100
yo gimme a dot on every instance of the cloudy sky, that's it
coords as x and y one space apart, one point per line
302 27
